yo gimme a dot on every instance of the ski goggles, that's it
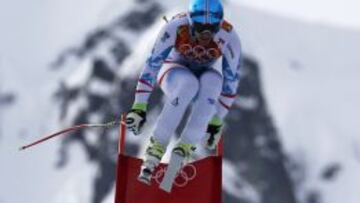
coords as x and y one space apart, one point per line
201 28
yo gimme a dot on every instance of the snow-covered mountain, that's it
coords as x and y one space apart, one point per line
291 136
310 79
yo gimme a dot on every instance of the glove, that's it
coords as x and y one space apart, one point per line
136 118
213 133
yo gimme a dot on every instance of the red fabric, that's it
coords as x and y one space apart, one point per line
204 188
224 105
146 83
143 91
205 185
163 75
229 95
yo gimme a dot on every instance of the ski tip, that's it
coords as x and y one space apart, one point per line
144 180
166 188
22 148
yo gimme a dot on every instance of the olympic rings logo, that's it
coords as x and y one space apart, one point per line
184 176
199 52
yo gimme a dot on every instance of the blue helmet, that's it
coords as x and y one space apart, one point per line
206 11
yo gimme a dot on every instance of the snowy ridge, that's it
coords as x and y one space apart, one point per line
310 78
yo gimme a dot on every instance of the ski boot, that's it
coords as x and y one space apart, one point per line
154 153
184 150
180 156
213 133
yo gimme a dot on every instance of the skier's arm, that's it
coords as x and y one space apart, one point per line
161 50
231 65
136 118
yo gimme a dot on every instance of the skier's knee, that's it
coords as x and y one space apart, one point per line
187 90
191 88
211 82
210 88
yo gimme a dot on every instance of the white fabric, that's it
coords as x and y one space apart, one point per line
228 65
181 86
204 107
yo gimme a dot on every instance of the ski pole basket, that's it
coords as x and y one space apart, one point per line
199 181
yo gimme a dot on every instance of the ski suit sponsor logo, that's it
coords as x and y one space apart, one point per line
180 15
175 102
165 37
199 53
192 50
211 101
226 26
221 42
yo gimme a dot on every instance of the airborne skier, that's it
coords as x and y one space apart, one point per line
195 61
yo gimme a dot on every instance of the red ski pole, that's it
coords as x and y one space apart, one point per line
71 129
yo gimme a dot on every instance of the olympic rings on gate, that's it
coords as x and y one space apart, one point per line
186 174
199 52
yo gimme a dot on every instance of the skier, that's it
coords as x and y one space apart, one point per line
195 61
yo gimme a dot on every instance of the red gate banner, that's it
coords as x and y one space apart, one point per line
197 182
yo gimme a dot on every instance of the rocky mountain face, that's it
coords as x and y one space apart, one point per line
252 143
251 140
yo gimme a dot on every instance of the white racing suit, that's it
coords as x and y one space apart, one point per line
188 73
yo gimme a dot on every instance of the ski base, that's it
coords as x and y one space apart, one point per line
175 165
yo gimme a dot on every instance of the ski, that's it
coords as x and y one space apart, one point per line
175 165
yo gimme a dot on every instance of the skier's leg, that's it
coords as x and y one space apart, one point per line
203 108
180 87
202 111
153 155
